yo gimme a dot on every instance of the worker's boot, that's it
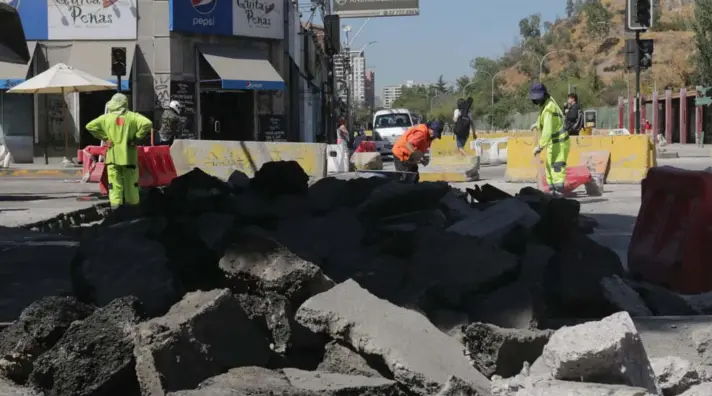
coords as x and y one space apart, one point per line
556 192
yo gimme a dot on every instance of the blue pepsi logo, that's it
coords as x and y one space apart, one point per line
204 7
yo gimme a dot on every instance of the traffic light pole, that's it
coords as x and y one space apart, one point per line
637 82
118 84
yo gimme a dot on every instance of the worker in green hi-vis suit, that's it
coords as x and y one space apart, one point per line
553 137
120 129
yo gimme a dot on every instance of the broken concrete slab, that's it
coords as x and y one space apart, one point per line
420 356
572 278
280 177
257 381
203 335
214 229
367 161
34 265
606 351
339 358
676 375
624 297
248 381
95 356
448 267
257 262
8 388
699 390
38 328
516 305
496 221
395 198
335 384
673 336
495 350
455 207
569 388
119 261
661 301
702 339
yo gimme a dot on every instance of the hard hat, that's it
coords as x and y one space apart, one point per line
437 127
176 105
537 91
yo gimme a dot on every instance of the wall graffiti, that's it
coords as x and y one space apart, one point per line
161 87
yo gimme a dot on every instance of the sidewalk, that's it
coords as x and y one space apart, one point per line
42 171
685 151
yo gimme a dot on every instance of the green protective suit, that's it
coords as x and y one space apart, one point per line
555 140
122 128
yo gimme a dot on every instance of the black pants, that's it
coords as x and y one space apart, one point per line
407 166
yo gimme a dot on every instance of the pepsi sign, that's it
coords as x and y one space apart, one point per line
201 16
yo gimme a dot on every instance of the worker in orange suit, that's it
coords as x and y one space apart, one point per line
409 150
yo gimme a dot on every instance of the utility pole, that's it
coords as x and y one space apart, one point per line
637 82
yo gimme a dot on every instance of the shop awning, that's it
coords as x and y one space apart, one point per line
94 57
12 73
239 69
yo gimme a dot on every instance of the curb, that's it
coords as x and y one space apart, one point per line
450 177
51 173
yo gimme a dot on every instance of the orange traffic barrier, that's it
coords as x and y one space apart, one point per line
155 166
671 245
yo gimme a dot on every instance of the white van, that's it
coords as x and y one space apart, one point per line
389 125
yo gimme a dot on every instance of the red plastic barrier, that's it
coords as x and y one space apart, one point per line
160 164
576 176
366 147
155 166
671 245
89 157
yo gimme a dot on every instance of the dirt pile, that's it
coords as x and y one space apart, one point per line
345 287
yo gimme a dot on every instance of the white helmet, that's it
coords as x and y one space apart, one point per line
176 105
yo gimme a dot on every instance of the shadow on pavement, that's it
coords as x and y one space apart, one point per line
26 197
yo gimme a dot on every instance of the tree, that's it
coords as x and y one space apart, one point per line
530 27
441 86
570 8
461 82
598 19
702 26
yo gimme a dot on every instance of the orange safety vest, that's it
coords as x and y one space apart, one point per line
418 136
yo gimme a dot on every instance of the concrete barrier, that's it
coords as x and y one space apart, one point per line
220 158
631 157
493 151
446 145
337 158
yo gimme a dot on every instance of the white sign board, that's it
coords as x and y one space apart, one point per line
258 18
91 19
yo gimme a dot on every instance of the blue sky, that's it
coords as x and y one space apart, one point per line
444 37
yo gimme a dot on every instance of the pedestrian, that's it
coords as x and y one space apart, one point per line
409 150
574 115
342 133
121 129
462 117
554 138
170 123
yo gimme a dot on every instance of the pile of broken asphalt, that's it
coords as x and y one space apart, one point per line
272 286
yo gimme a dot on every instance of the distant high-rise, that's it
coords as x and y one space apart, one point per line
358 64
370 89
392 92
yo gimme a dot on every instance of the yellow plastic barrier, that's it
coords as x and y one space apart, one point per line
220 158
446 145
631 157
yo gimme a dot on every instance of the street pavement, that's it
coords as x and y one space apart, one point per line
26 201
29 200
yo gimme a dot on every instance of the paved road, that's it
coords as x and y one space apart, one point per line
29 200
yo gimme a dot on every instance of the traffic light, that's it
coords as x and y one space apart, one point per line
639 14
118 61
645 54
332 33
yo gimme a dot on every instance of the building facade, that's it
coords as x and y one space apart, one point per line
240 67
370 90
390 94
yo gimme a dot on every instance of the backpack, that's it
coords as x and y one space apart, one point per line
463 123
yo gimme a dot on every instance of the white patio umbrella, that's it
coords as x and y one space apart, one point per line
62 79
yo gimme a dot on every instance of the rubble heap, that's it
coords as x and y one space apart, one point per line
354 287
